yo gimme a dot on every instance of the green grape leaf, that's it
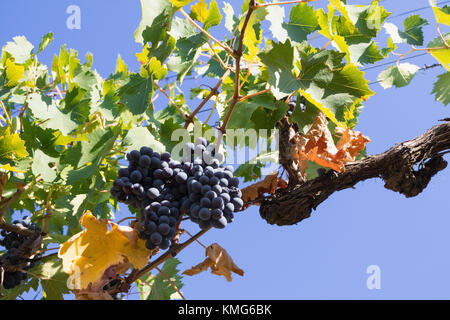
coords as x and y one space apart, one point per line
330 86
158 287
441 88
138 137
46 40
21 49
136 94
151 9
13 294
302 22
243 111
44 166
279 59
53 279
399 75
413 33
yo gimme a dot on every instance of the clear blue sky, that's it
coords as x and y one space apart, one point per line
325 256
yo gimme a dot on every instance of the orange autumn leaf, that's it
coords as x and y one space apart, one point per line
219 261
270 183
317 145
102 250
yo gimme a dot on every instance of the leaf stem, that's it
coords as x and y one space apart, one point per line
237 56
206 33
254 95
213 92
185 117
263 5
8 119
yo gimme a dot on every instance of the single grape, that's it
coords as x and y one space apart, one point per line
136 176
204 214
219 223
152 193
205 202
156 238
164 228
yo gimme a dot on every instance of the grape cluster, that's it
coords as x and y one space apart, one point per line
213 193
165 189
153 183
12 242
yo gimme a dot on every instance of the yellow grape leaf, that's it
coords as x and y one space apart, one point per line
143 56
180 3
14 72
102 248
219 261
199 11
443 56
441 16
8 167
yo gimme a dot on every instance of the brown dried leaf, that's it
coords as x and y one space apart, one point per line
219 261
255 191
317 145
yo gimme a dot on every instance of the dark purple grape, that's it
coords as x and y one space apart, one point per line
163 219
217 203
217 189
150 227
229 208
216 214
164 243
152 193
167 172
163 211
204 224
135 155
156 238
229 168
214 181
205 189
210 195
181 177
149 244
204 180
205 202
197 187
238 203
136 176
223 182
146 151
156 162
194 197
157 183
219 223
204 214
233 182
226 197
165 156
164 228
174 212
145 161
123 172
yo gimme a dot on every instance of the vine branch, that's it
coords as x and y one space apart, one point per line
395 166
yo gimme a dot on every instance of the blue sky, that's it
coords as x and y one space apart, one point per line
325 256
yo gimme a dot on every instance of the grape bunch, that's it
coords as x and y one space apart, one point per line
153 183
213 193
12 242
164 189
